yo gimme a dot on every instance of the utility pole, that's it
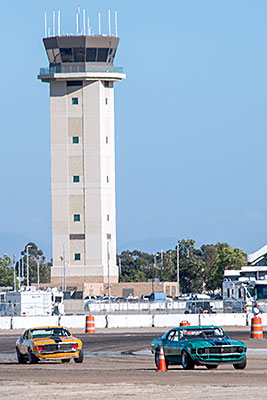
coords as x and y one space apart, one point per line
178 269
38 271
119 269
14 267
108 256
28 277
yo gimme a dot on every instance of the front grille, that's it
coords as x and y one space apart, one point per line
221 352
57 348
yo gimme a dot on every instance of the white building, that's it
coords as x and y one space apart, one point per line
81 77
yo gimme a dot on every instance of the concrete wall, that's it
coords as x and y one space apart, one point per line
130 321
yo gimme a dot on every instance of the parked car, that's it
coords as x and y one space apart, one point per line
199 345
158 296
198 307
48 343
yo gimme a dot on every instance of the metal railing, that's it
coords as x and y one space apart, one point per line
136 307
61 69
83 307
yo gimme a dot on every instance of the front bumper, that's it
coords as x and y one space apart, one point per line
57 355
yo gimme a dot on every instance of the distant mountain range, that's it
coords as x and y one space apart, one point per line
149 245
14 243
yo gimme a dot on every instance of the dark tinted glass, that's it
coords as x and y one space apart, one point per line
66 55
90 54
102 55
74 83
78 54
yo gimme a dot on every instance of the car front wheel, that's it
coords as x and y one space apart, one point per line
241 365
80 358
187 362
20 358
32 358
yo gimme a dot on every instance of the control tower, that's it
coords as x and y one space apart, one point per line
81 77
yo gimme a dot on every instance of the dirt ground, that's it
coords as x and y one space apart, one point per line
132 377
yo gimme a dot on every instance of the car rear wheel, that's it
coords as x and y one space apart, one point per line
242 364
32 358
65 360
20 357
187 362
212 366
80 358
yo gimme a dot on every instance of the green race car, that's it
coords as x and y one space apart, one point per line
199 345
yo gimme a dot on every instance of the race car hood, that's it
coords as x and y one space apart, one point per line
54 339
216 342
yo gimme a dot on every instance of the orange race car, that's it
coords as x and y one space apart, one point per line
48 343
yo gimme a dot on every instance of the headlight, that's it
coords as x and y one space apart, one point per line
240 349
40 348
75 346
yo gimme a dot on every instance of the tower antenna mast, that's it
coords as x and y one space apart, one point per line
109 26
54 23
116 24
45 21
99 24
58 23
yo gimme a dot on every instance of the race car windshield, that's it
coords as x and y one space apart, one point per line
200 333
48 332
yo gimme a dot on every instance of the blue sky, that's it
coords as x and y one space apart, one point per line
190 119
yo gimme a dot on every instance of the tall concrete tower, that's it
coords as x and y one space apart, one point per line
81 76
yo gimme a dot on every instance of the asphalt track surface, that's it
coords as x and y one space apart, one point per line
126 370
129 341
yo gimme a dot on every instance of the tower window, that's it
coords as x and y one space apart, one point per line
107 179
75 139
76 179
76 218
106 139
75 100
106 100
77 256
107 217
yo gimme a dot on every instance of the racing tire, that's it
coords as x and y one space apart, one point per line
32 358
241 365
212 366
20 357
186 312
157 359
187 362
65 360
79 359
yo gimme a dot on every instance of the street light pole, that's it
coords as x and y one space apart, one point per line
178 269
14 267
28 278
108 256
38 272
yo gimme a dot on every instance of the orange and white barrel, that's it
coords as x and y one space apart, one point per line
90 324
256 328
184 323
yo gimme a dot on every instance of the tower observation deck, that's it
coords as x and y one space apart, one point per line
81 75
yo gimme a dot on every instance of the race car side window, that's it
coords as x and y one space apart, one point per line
25 336
173 336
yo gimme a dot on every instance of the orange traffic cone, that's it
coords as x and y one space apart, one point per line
162 363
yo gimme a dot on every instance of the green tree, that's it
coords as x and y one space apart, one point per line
36 255
6 273
227 257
